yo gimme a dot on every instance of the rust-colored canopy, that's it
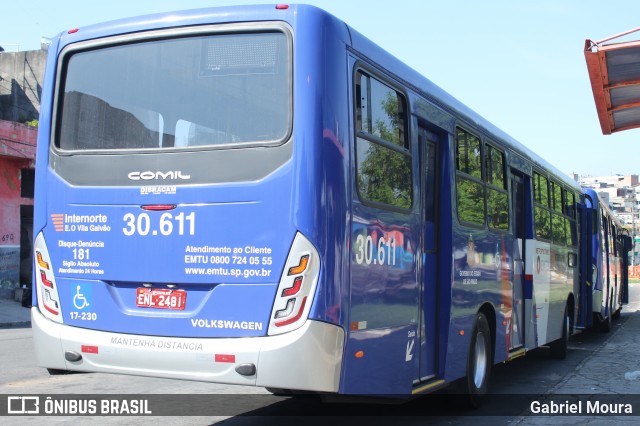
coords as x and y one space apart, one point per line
614 71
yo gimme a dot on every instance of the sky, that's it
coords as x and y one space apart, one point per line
518 63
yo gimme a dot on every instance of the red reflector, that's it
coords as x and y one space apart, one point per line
297 283
53 311
158 207
282 6
86 349
73 30
44 279
225 358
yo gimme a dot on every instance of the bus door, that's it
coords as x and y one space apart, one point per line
428 142
585 308
518 200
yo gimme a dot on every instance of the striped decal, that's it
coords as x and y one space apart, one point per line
428 387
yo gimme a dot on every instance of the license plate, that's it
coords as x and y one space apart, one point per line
161 298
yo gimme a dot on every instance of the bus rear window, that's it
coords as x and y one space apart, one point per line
193 91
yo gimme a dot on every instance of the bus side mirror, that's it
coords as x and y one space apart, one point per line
572 260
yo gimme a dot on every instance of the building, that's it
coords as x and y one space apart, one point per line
621 193
21 75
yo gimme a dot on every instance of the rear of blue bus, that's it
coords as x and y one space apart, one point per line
174 233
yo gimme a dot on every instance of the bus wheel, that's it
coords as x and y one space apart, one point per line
559 347
479 362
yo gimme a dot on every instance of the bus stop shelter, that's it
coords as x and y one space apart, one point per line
614 71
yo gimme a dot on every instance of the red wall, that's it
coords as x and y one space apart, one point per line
18 140
17 151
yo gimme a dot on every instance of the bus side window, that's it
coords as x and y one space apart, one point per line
541 202
497 199
383 156
469 185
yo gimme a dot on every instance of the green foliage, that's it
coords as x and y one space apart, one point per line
498 209
384 173
32 123
385 176
543 223
470 201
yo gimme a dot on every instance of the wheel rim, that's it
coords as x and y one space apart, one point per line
480 361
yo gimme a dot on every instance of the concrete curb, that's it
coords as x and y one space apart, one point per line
17 324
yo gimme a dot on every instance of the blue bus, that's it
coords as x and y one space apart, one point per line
262 196
606 264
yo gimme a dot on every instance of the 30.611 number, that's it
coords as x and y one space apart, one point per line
142 224
384 253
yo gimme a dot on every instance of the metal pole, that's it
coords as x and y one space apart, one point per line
616 36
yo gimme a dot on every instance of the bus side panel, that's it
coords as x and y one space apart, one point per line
601 264
382 350
42 149
380 356
541 267
626 248
380 362
324 69
482 278
553 282
585 309
446 264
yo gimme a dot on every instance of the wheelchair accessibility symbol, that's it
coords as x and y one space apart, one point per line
79 300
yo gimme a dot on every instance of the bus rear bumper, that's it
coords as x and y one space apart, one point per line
308 358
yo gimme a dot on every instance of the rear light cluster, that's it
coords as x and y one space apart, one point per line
297 287
47 289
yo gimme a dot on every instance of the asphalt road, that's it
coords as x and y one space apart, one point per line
512 384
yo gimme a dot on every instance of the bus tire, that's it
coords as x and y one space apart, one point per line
479 362
559 347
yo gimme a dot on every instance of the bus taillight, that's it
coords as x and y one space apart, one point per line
45 281
158 207
41 261
283 313
294 318
46 288
300 267
292 291
296 288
